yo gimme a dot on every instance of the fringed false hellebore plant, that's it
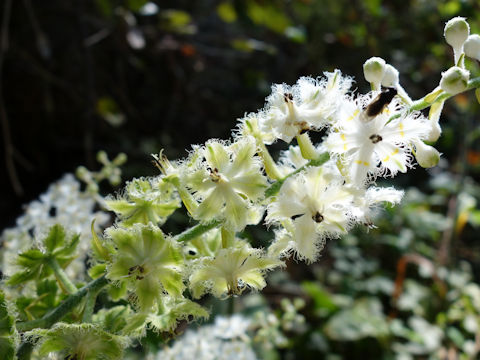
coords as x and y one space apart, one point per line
313 193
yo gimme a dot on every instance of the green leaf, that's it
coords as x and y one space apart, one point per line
364 319
69 248
477 94
173 310
55 238
322 299
226 12
268 15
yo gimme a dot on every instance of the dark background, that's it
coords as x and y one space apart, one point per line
187 72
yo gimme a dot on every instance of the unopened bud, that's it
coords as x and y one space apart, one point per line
472 47
435 132
427 156
456 32
102 157
373 70
390 77
454 80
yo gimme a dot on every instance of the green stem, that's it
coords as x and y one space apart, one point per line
423 104
61 276
196 230
64 308
24 351
89 306
275 187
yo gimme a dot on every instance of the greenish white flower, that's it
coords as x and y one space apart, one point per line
145 200
79 341
231 271
147 261
228 183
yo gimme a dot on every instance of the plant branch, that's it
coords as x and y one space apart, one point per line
195 231
61 276
64 308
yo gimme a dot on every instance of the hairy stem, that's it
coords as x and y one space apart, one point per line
65 283
196 230
64 308
275 187
89 306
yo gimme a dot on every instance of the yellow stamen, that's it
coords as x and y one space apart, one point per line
355 113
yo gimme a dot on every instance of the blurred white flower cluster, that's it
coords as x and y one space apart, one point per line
226 339
63 203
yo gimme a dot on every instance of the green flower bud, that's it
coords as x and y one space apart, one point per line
472 47
373 70
454 80
456 32
427 156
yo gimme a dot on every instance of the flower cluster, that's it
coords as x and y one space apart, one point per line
226 339
63 203
312 193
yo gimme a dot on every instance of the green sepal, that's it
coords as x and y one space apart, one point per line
9 337
79 341
117 291
114 319
172 310
97 270
100 250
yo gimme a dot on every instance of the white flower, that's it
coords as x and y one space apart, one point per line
224 340
312 206
378 145
308 105
63 204
367 202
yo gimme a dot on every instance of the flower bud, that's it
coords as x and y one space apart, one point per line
427 156
472 47
390 77
456 32
373 70
454 80
435 132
